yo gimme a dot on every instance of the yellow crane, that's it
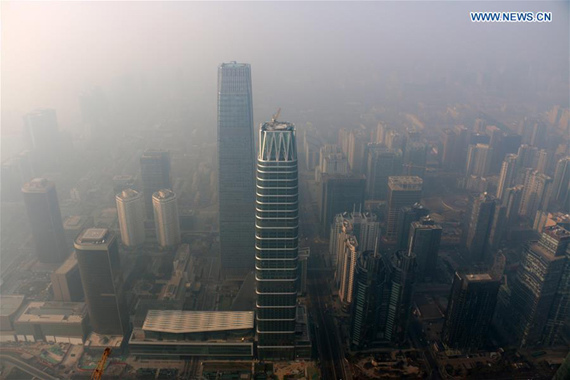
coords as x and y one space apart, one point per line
98 372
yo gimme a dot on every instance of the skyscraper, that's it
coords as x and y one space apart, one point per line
535 288
347 267
415 158
382 163
130 209
44 215
402 277
339 193
276 240
536 194
470 309
561 182
479 158
448 148
425 237
507 176
479 228
402 191
42 135
166 218
370 303
406 216
155 175
236 166
97 252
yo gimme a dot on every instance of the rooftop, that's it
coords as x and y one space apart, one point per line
53 312
405 182
164 194
73 222
37 185
274 126
128 194
94 236
67 264
475 277
182 322
234 64
10 304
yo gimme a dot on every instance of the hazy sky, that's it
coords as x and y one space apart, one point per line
51 51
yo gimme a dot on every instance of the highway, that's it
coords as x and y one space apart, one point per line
25 367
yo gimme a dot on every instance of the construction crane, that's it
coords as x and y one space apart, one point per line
274 118
98 372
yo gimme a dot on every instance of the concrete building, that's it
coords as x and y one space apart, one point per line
536 194
479 158
66 281
425 237
236 167
332 161
370 303
131 214
44 216
448 148
178 334
53 322
414 160
166 219
73 225
528 314
382 163
561 182
10 306
470 310
155 175
406 217
42 136
97 252
349 253
507 175
479 227
402 191
339 193
15 172
276 241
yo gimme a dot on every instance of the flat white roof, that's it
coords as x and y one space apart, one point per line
181 321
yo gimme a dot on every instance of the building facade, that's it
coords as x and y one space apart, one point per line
42 206
402 191
131 214
236 167
276 240
97 252
155 175
166 218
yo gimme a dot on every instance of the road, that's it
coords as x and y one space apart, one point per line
25 367
329 344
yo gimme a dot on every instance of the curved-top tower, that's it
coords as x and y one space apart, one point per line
276 240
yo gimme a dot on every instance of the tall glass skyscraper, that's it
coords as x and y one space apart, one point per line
276 240
235 159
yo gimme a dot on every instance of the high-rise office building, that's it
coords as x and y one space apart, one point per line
66 281
561 182
130 209
479 158
331 161
461 146
346 269
470 309
448 148
42 135
155 175
536 194
382 163
339 193
370 304
402 278
406 216
357 142
236 167
276 240
425 237
166 219
414 161
535 287
479 227
507 175
97 252
402 191
44 216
